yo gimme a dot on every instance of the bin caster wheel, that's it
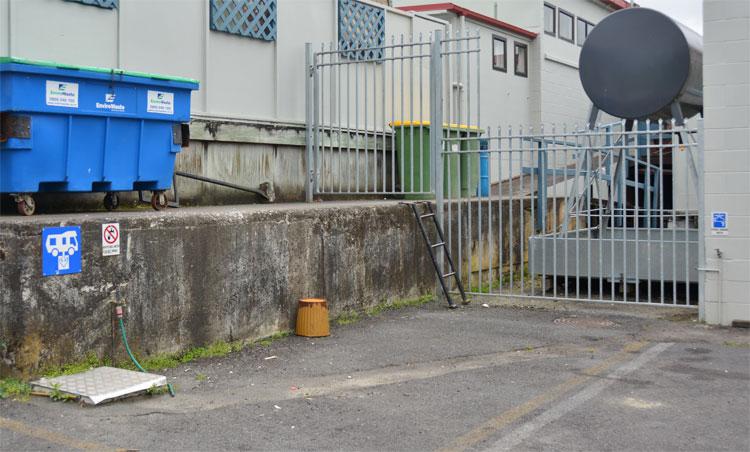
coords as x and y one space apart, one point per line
111 201
25 205
159 200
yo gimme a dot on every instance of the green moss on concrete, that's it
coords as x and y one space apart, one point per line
353 316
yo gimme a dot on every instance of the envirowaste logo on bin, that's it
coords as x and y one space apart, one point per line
61 250
110 103
61 94
160 102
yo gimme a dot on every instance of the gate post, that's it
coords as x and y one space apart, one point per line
309 106
436 134
436 122
699 173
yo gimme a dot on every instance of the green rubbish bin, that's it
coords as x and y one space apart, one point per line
460 171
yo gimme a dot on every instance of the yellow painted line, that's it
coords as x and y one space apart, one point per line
497 423
49 436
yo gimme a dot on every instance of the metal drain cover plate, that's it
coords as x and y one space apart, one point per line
101 384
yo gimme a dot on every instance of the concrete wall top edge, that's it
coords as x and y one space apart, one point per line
239 214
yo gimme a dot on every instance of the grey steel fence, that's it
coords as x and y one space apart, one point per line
611 213
370 111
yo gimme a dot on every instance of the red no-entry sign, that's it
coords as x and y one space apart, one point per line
110 239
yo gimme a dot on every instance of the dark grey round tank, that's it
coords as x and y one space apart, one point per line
636 62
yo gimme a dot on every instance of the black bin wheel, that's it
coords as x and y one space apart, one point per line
111 201
25 205
159 200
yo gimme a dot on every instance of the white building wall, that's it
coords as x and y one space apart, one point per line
563 100
556 95
240 77
726 78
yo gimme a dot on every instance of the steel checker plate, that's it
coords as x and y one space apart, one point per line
101 384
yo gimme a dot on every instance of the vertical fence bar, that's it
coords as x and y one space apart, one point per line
422 187
338 111
411 117
612 206
555 214
384 123
316 124
686 229
309 105
436 129
365 125
673 154
662 214
332 95
647 205
588 152
600 208
403 118
501 226
638 217
375 117
393 116
348 128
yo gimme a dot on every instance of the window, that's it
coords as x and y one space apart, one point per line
549 19
361 26
521 59
566 26
583 28
249 18
499 54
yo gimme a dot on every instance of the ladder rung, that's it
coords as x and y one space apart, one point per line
449 274
427 215
438 244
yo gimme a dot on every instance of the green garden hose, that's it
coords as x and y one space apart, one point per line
130 353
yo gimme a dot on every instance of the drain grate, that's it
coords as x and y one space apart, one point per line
102 384
585 322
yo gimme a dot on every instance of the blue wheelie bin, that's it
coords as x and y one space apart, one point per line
85 129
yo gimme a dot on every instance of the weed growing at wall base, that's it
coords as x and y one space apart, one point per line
353 316
11 388
164 360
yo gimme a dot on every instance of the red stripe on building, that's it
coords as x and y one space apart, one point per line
473 15
616 4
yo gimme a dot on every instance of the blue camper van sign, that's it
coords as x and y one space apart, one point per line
61 250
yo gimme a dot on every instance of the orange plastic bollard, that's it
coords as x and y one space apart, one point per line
312 318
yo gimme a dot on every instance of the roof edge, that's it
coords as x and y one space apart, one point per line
616 4
461 11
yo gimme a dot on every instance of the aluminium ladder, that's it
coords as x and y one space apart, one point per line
431 247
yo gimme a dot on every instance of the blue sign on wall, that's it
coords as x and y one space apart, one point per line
61 250
719 220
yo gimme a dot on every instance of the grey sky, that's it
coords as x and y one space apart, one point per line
689 12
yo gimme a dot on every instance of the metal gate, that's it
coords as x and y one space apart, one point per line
612 213
370 111
607 213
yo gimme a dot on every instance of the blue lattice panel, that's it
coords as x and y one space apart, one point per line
361 26
249 18
109 4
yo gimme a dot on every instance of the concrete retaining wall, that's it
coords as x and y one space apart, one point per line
195 276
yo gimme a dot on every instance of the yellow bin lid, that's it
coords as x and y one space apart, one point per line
427 124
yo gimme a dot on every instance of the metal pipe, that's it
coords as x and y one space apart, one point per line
223 184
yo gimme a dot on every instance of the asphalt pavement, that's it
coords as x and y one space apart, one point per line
548 376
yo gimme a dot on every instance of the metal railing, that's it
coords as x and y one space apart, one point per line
603 214
369 119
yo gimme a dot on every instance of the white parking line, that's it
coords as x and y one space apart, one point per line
515 437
